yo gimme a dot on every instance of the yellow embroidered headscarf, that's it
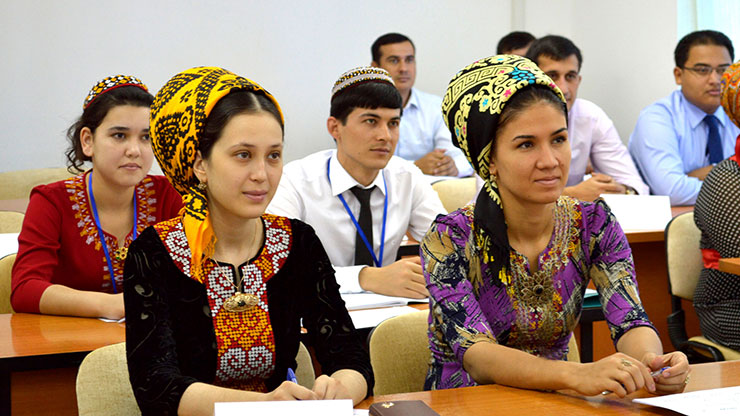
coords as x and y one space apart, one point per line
177 121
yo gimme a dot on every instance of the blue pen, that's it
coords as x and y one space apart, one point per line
657 373
291 376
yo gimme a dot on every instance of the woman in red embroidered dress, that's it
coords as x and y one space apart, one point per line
215 298
76 232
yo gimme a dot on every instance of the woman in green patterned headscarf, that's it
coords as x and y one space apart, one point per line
507 275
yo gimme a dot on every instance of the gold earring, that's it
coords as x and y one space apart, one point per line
202 186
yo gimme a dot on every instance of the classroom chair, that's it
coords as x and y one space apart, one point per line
455 193
399 353
400 356
6 265
11 221
103 386
684 261
17 184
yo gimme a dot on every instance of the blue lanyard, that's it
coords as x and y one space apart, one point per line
378 262
100 231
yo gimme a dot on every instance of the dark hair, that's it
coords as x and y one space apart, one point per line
233 104
94 114
701 37
514 40
525 98
371 94
555 47
387 39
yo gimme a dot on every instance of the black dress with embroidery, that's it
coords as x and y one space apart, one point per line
717 294
171 339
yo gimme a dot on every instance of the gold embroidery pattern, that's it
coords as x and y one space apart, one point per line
146 209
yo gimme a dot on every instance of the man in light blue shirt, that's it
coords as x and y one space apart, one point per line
424 138
678 139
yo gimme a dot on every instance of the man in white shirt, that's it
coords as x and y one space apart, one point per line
591 133
424 138
325 190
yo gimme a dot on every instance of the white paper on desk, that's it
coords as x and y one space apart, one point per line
370 318
8 244
118 321
355 301
717 402
286 408
640 212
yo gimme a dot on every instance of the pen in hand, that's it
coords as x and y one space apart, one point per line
291 376
653 374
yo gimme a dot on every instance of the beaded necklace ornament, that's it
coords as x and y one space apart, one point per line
242 302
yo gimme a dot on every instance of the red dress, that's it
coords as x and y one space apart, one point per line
59 242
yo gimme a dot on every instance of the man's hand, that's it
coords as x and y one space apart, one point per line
437 163
402 278
598 184
700 173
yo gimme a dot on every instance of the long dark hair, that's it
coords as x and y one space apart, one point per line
94 114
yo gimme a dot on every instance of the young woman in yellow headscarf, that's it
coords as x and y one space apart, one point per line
215 298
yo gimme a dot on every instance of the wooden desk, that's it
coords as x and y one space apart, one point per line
730 265
490 399
18 205
36 342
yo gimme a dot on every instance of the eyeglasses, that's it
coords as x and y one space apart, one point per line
705 70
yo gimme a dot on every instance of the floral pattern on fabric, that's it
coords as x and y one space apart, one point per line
532 312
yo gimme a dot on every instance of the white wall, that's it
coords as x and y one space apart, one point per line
52 52
627 49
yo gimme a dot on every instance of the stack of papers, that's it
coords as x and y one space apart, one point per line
303 408
370 318
719 402
640 212
355 301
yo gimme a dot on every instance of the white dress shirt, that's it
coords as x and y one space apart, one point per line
306 194
422 130
592 135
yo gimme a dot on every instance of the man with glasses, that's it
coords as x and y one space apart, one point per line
678 139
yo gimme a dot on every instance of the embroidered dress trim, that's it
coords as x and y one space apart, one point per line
78 198
246 344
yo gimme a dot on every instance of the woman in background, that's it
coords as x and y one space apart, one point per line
717 214
216 297
76 232
507 275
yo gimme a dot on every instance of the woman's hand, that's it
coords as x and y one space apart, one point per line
675 377
111 306
291 391
329 388
618 373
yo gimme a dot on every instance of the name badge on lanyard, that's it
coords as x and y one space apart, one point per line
379 259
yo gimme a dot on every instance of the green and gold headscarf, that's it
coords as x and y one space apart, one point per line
475 98
177 121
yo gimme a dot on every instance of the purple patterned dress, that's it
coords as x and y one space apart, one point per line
533 312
